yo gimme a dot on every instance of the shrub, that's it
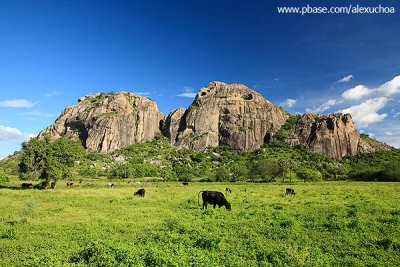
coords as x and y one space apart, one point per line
222 174
4 177
309 175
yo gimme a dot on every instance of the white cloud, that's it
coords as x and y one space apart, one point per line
54 93
39 114
187 89
367 112
288 103
346 79
189 95
359 92
17 103
187 92
9 133
325 106
27 137
142 93
390 133
391 87
356 93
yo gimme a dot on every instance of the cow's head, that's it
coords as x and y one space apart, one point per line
228 206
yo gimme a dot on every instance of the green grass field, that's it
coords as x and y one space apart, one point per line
325 224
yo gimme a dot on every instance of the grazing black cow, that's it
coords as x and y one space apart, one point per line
53 185
70 184
185 183
45 185
110 185
214 198
228 190
290 191
26 185
140 192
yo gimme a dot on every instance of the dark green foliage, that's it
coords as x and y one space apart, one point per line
378 166
287 129
43 159
264 169
291 122
222 174
120 172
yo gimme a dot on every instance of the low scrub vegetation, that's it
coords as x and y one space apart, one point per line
277 161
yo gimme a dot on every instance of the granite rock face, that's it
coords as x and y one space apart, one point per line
227 115
369 145
105 122
221 115
333 135
172 123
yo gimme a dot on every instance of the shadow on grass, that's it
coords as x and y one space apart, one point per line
14 187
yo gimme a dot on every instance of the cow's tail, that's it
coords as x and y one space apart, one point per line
198 196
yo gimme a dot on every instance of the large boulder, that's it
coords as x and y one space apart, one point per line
230 115
333 135
106 122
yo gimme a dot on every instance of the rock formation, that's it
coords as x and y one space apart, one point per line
221 115
231 115
369 145
106 122
172 123
333 135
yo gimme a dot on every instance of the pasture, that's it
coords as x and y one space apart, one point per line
325 224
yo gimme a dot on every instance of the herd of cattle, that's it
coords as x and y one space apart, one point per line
214 198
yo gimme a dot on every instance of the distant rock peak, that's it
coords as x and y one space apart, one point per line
221 115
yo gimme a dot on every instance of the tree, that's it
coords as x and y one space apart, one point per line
3 176
264 169
291 165
122 171
283 167
49 160
222 174
309 175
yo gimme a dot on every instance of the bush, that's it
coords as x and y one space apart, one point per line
265 169
4 177
309 175
222 174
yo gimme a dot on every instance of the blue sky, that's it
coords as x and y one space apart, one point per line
53 52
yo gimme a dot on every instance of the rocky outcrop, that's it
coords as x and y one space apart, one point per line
333 135
230 115
172 124
106 122
221 115
369 145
